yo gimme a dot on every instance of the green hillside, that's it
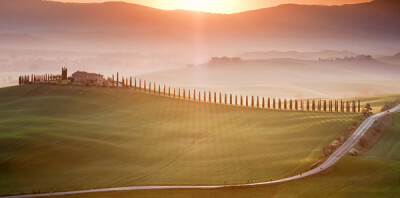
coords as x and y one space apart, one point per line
59 138
374 174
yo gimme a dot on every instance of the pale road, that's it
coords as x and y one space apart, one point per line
325 165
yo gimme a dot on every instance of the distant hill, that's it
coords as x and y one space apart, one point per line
117 25
289 77
395 59
297 55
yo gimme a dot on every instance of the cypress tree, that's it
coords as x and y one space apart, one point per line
258 102
117 79
236 100
154 88
324 105
159 90
179 93
174 93
205 96
226 99
313 105
359 106
184 94
220 97
194 94
241 100
273 103
209 96
215 97
149 87
279 103
199 96
230 98
301 105
269 103
285 103
252 101
247 101
354 106
263 102
130 82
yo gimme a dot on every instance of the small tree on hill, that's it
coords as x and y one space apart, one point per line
367 110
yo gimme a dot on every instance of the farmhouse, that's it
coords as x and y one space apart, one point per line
88 78
215 60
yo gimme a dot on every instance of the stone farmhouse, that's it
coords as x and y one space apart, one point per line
88 78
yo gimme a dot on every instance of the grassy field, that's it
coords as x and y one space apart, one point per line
375 174
58 139
378 101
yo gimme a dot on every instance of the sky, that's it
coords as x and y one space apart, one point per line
222 6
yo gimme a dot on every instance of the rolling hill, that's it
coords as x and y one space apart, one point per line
374 174
66 138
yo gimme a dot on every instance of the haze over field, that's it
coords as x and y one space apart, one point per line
42 36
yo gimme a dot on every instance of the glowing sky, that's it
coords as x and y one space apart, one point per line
222 6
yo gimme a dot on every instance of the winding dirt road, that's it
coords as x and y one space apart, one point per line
339 153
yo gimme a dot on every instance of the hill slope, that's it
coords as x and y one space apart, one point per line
375 174
59 139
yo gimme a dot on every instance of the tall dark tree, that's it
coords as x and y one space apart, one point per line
236 100
284 104
313 105
279 103
263 103
274 103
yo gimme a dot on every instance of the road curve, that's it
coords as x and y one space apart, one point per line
339 153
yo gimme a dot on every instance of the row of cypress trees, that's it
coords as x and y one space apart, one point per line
29 79
230 99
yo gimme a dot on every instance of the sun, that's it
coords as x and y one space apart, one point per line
200 5
197 5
